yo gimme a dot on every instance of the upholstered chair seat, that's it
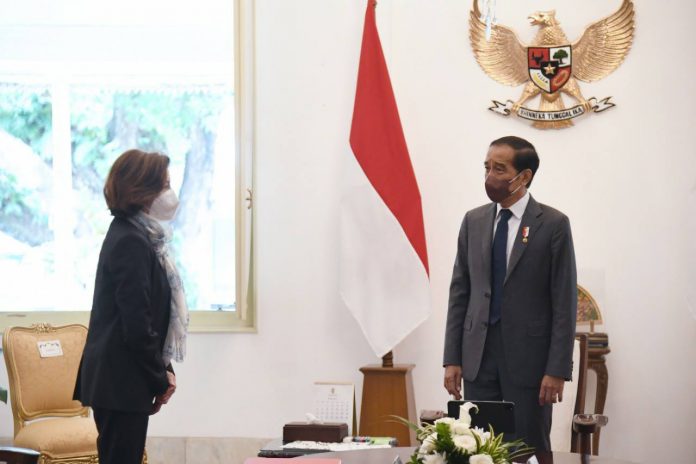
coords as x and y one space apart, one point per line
60 439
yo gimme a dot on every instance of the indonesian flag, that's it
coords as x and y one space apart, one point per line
384 262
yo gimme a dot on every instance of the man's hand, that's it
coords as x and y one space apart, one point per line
453 381
551 390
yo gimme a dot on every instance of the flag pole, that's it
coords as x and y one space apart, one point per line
388 360
393 204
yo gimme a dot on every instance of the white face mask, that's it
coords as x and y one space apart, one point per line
164 206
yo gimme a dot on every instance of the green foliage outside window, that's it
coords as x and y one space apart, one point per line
104 123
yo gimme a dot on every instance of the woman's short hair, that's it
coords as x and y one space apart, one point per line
134 181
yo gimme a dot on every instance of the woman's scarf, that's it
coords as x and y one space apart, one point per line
160 235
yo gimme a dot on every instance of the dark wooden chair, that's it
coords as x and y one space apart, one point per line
569 419
585 425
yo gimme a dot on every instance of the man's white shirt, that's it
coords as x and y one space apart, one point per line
514 222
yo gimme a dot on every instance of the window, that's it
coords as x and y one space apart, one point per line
87 83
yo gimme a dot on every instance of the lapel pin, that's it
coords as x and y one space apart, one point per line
525 234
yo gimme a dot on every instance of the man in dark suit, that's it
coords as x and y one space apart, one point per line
513 297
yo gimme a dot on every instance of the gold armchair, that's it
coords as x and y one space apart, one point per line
42 363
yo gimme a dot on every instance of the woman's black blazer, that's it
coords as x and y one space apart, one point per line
122 367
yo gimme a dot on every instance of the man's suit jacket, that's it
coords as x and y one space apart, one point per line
122 367
539 297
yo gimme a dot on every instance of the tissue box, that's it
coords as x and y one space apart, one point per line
304 431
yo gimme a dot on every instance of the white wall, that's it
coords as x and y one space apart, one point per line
626 178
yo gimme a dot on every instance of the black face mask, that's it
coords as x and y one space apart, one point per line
499 189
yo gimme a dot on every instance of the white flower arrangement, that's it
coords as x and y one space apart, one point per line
454 441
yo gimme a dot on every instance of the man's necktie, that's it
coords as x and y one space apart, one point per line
499 267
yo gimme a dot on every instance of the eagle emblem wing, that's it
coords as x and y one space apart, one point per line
504 57
604 44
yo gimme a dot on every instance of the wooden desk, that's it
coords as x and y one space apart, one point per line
387 456
274 449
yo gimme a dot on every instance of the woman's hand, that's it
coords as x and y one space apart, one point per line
164 397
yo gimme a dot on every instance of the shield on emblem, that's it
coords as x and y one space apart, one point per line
550 67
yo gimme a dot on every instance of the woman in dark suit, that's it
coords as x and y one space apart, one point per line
139 317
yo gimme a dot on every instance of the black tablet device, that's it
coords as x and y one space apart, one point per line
499 414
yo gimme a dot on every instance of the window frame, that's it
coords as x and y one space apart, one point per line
243 319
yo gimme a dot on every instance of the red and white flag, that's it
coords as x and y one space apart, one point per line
384 262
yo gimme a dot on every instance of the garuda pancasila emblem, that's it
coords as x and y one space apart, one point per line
551 65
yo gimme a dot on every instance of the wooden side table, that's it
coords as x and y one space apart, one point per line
597 350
